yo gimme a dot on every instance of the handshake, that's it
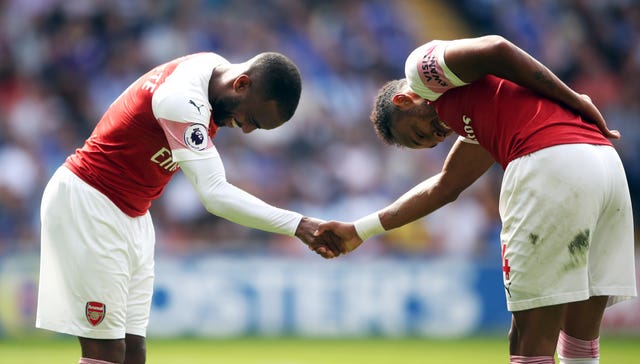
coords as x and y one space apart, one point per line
328 239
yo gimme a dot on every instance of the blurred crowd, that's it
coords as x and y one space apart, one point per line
62 62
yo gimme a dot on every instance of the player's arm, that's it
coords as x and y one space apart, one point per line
473 58
199 160
223 199
465 163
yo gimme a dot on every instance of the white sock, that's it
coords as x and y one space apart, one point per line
517 359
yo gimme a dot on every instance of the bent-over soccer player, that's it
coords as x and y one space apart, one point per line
567 231
97 254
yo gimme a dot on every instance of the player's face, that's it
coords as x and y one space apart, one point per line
419 127
246 112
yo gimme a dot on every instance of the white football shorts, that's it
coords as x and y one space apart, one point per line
96 265
567 227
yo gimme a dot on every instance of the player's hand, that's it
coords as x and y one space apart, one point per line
349 239
327 245
592 115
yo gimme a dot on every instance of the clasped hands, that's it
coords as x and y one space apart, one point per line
328 239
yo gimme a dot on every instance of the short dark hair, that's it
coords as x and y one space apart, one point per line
277 78
384 110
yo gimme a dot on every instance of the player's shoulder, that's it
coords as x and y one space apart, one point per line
426 71
183 97
190 106
195 68
204 59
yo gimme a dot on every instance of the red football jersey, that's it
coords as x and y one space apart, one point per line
511 121
506 119
162 118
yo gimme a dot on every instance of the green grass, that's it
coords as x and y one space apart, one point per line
477 350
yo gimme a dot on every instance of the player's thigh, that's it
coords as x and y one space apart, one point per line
136 351
549 204
534 332
582 319
109 350
140 290
84 272
611 255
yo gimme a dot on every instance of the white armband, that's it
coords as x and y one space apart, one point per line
368 226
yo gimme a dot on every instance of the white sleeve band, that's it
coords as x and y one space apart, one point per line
368 226
234 204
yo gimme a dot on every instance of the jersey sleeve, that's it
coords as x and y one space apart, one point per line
185 129
427 73
183 111
223 199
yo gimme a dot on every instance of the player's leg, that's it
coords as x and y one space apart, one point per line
587 251
545 245
534 332
582 319
106 350
140 289
579 340
136 351
610 265
131 350
84 271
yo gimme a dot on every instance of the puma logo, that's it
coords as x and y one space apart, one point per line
508 289
196 106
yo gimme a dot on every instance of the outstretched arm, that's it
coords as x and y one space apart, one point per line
465 163
234 204
473 58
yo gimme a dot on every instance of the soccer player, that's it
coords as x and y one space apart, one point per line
97 253
567 229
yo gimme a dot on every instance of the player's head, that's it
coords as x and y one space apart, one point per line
265 94
276 78
403 118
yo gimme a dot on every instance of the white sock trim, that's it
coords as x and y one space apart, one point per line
563 360
93 361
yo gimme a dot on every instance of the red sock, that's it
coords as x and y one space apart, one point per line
516 359
573 348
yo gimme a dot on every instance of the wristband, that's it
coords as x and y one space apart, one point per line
368 226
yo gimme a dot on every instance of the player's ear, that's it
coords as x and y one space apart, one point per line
242 83
402 100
